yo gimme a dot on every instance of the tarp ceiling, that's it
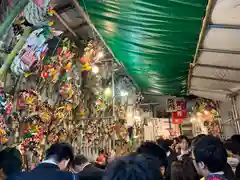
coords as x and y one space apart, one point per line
216 71
154 39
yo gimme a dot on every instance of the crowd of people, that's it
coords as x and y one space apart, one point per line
204 157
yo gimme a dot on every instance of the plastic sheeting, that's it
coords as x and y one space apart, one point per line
217 70
154 39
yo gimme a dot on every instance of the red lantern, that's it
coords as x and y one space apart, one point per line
44 74
83 60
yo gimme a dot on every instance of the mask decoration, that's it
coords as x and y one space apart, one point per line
28 99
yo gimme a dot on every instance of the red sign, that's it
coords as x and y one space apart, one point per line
180 113
176 121
181 105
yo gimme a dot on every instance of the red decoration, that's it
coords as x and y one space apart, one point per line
83 60
179 114
176 121
44 75
68 53
59 51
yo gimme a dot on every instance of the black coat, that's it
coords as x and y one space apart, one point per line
171 158
44 171
91 172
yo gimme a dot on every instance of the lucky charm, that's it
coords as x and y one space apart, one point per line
66 91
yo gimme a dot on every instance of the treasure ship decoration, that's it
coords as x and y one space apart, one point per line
205 115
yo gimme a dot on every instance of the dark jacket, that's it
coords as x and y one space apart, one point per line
44 171
90 172
171 158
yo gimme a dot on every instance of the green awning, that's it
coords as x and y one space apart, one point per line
154 39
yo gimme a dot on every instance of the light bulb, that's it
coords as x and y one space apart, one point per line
206 112
95 69
123 93
100 55
199 114
107 91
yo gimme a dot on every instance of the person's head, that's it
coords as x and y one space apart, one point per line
60 153
209 155
233 148
101 152
184 143
164 144
175 140
152 149
236 138
133 167
196 139
79 163
10 162
179 169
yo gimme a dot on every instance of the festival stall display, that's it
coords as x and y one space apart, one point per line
204 117
50 94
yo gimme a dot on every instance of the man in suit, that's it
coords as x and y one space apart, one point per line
58 157
85 169
171 155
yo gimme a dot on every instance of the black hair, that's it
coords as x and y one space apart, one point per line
163 144
197 138
11 161
210 150
176 139
236 138
232 146
179 169
101 151
79 160
182 137
60 151
152 149
133 167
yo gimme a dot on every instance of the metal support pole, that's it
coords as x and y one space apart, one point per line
113 93
65 24
235 114
113 143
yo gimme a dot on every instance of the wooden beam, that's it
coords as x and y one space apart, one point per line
65 24
208 13
64 8
224 26
217 67
216 79
210 91
80 26
219 51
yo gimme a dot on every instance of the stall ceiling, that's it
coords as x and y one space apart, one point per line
154 39
216 72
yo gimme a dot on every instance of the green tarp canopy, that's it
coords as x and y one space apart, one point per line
154 39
